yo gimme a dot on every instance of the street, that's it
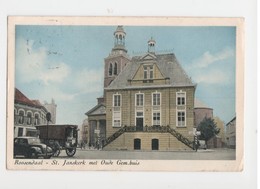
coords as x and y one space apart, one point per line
209 154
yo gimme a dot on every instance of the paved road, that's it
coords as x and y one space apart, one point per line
215 154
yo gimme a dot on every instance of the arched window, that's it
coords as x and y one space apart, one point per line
123 40
115 68
29 118
120 39
21 117
110 70
36 119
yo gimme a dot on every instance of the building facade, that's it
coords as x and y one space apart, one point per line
231 133
220 142
97 124
202 111
27 114
148 102
83 134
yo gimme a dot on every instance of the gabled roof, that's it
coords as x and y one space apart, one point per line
232 120
22 99
99 109
148 56
167 64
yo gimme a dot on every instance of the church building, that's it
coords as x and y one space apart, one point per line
148 102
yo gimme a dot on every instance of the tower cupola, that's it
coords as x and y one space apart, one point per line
117 59
151 45
119 37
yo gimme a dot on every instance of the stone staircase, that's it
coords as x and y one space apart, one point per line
114 136
181 138
161 129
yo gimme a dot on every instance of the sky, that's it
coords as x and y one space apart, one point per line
66 63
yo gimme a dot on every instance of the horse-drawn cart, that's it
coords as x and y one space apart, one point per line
60 137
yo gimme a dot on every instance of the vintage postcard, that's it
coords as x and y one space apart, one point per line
125 93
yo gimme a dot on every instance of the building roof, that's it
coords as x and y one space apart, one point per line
232 120
99 109
120 29
167 64
22 99
199 104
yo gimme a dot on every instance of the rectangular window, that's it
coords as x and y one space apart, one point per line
181 98
145 74
20 131
116 123
139 99
151 72
117 118
181 118
116 110
156 102
148 71
117 100
156 118
156 99
139 114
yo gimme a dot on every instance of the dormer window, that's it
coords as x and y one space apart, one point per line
148 71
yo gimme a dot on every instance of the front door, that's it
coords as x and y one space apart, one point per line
139 123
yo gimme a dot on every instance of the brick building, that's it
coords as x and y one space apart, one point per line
201 111
148 102
27 114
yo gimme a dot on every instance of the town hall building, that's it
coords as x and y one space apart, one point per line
147 104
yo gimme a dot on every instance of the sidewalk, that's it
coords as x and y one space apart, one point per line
209 154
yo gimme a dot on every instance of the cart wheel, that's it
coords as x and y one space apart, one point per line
70 151
56 153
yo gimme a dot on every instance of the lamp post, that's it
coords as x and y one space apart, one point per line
48 117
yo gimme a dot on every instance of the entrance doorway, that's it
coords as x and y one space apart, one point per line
155 144
139 123
137 144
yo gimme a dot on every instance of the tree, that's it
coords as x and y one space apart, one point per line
208 129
